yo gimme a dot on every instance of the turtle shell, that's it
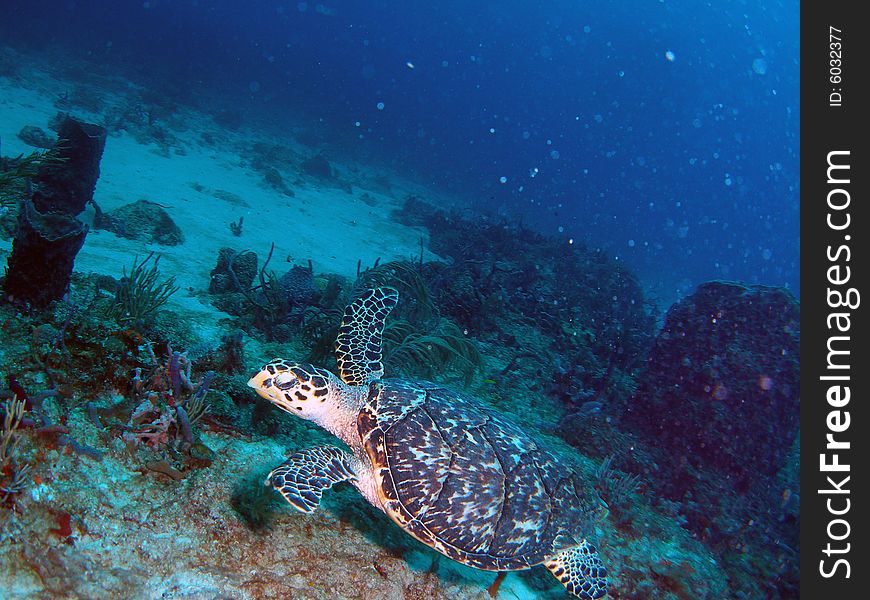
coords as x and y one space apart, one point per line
464 480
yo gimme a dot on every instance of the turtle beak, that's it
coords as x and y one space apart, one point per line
261 382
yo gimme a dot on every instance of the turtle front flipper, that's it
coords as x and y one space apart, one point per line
307 473
358 345
580 570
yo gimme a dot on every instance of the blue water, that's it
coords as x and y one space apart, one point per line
665 133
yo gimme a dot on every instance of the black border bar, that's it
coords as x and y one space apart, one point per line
835 562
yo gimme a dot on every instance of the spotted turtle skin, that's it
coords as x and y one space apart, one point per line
467 482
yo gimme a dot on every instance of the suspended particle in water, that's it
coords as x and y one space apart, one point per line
631 243
622 73
670 56
409 64
492 129
380 105
759 65
561 229
554 154
533 171
502 179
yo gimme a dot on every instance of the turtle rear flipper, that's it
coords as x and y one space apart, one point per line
307 473
580 570
358 345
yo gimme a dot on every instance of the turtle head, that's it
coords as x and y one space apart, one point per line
298 388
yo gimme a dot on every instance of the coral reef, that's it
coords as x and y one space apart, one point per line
504 279
276 306
166 405
122 429
13 473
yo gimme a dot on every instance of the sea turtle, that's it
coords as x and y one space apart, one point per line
451 472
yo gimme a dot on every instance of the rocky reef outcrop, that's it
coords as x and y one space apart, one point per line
722 383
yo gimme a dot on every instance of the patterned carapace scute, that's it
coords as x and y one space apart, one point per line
358 345
467 482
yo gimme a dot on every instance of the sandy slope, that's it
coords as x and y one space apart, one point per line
328 225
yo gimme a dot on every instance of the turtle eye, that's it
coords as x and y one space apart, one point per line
285 381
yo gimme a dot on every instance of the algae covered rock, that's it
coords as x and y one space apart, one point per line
318 166
721 388
35 136
141 220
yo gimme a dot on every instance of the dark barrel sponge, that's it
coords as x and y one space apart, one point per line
39 268
48 233
67 184
721 389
